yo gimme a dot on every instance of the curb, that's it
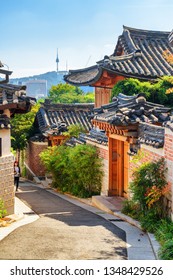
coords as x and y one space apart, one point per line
106 206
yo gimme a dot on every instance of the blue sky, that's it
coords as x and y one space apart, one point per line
82 30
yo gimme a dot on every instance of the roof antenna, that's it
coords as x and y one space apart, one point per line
88 61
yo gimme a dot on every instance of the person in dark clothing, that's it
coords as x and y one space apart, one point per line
16 174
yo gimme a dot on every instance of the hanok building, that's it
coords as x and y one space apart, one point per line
50 123
130 123
13 100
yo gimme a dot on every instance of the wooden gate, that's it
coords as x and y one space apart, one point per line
118 167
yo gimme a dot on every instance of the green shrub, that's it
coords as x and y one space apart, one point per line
131 208
164 231
148 186
3 211
166 251
77 170
149 221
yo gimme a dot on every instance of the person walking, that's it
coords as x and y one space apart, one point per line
16 174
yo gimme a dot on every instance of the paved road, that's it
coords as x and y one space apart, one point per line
64 231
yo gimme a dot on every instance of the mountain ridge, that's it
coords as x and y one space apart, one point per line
52 78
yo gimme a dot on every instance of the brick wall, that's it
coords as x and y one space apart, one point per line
32 157
7 182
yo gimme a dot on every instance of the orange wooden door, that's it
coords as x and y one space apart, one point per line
126 169
114 165
118 167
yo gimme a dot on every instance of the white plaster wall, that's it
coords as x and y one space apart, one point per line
6 141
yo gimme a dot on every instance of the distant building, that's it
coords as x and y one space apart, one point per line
36 88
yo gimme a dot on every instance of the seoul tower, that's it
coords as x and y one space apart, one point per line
57 61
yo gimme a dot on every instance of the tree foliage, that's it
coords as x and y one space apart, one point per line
148 185
155 92
22 128
74 130
65 93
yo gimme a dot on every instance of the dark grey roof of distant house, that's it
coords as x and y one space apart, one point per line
55 118
13 97
94 135
138 54
4 122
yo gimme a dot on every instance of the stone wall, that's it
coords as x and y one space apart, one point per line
32 158
7 182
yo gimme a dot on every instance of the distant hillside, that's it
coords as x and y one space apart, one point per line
51 77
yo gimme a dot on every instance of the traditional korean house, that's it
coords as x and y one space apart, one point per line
138 54
122 128
13 100
50 123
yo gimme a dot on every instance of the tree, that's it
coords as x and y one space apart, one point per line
65 93
156 92
22 129
169 57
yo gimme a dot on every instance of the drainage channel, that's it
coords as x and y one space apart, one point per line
115 220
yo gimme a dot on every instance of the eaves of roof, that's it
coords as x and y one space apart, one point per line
5 72
84 77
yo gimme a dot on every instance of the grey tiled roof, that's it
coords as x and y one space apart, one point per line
55 118
14 97
85 76
129 110
142 53
149 118
138 54
94 135
151 135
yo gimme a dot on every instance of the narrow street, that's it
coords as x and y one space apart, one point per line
64 231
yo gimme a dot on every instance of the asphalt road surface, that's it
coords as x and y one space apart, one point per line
64 231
